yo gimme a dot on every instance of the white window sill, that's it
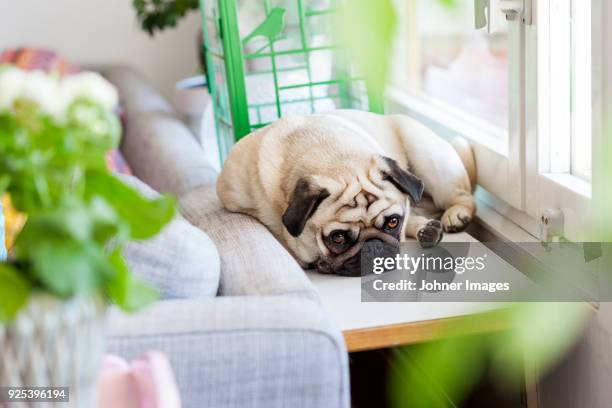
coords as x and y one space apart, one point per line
496 219
478 131
490 147
573 184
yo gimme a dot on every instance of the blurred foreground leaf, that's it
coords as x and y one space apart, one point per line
127 291
14 292
544 331
366 28
437 375
441 374
145 217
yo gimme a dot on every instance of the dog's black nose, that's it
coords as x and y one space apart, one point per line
375 242
379 247
363 262
376 249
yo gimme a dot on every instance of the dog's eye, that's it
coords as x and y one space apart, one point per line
338 241
338 237
392 223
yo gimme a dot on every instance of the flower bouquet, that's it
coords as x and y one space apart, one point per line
65 265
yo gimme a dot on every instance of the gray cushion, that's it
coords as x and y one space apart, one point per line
156 143
181 261
242 352
253 262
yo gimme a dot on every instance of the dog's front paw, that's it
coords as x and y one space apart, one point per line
456 218
430 234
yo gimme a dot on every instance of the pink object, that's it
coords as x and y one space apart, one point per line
146 382
116 162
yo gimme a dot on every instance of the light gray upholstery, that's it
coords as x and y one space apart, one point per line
252 260
240 352
265 341
159 148
181 261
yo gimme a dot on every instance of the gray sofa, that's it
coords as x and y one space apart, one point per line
264 340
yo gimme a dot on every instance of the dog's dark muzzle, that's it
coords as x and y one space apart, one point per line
358 260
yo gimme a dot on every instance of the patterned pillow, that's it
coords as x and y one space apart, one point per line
116 163
36 58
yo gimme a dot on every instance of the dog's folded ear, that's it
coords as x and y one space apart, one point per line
303 203
403 180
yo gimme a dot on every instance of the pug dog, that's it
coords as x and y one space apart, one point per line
327 184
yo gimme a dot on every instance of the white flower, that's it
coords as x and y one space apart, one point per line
11 84
43 89
52 95
90 86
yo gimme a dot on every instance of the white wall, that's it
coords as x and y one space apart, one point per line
100 32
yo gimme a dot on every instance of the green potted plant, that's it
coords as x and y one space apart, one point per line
66 264
157 15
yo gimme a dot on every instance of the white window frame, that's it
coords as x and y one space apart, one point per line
548 185
517 179
602 124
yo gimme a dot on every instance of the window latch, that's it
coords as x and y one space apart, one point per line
517 9
551 224
486 12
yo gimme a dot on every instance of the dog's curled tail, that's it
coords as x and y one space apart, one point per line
464 150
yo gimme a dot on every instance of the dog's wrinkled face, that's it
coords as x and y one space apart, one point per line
331 218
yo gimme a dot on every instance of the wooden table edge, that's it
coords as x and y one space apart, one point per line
402 334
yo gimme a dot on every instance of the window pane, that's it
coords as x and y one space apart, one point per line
581 89
453 63
568 71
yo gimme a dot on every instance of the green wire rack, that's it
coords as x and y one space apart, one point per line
269 58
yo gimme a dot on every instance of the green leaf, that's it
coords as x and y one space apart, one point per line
145 217
127 292
67 268
106 222
370 46
437 375
70 222
157 14
545 330
14 292
65 248
449 3
4 183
